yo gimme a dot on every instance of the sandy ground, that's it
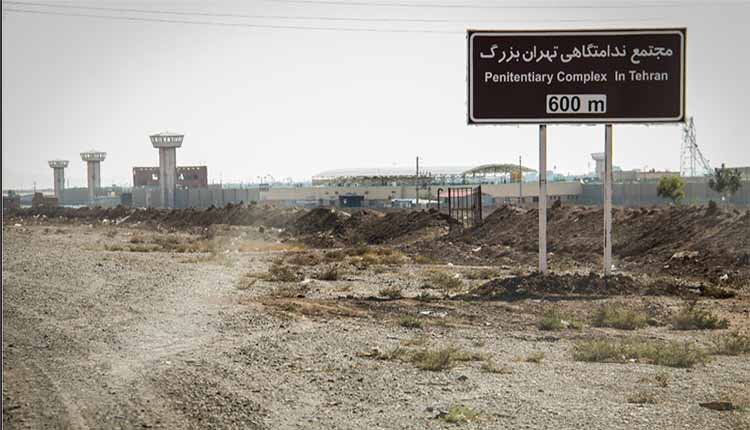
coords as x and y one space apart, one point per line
98 336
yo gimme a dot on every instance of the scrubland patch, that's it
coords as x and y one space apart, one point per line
392 292
410 321
430 359
444 281
692 318
554 320
460 414
732 344
620 317
671 354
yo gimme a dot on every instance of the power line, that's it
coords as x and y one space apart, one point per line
315 18
226 24
231 24
506 6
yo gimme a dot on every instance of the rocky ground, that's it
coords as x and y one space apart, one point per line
243 326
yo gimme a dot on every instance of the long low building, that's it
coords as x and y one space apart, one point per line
187 177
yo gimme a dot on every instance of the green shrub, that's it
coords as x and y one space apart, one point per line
444 281
671 354
460 415
692 318
391 293
554 321
281 273
619 317
410 322
732 344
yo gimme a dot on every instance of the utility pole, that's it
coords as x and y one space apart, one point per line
416 180
520 181
543 199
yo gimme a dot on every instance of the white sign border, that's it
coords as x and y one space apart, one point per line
682 32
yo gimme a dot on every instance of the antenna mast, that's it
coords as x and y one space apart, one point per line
692 161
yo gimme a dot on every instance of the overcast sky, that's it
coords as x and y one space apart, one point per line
292 102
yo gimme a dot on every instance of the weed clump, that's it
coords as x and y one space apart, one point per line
535 357
305 259
489 366
642 398
484 274
692 318
443 281
460 415
278 272
717 292
410 322
620 317
671 354
554 321
732 344
434 360
422 259
329 274
392 293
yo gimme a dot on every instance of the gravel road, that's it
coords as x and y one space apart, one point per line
97 338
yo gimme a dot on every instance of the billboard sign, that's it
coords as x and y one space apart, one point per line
576 76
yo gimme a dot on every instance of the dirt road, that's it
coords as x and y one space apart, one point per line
99 336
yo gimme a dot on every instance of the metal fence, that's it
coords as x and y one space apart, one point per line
464 204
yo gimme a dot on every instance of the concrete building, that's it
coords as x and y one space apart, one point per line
167 144
58 169
93 159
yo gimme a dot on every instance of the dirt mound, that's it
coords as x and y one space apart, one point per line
382 229
329 227
681 241
320 220
569 286
268 216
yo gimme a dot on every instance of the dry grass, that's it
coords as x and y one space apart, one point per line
410 322
392 293
422 259
443 281
433 360
534 357
692 318
620 317
336 256
662 379
246 282
642 398
304 259
671 354
717 292
460 414
278 272
483 274
732 344
330 274
489 366
556 320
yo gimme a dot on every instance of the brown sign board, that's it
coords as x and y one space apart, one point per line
576 76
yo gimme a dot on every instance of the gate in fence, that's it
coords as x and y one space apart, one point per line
464 204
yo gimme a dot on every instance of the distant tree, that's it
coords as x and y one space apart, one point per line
725 181
671 187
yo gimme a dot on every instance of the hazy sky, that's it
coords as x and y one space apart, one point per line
293 102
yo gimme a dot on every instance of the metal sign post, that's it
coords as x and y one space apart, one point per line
543 198
608 199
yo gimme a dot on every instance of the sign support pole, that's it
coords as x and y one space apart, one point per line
608 199
543 198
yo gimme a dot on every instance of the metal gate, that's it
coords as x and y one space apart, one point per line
464 205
